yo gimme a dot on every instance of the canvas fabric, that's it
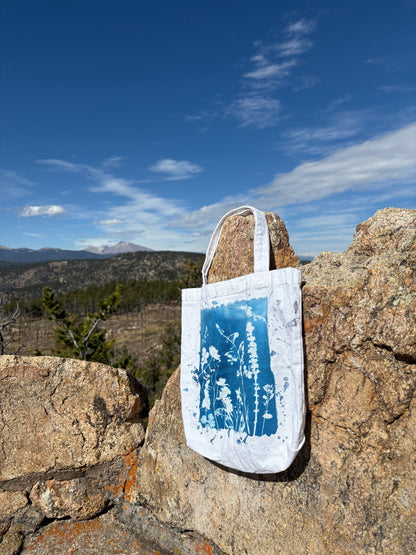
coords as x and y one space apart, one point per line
242 384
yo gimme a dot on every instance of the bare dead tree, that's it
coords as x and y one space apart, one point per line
4 340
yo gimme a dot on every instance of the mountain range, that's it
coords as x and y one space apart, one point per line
25 256
122 247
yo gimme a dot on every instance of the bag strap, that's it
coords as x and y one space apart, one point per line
261 240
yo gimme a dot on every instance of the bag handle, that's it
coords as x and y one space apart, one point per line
261 240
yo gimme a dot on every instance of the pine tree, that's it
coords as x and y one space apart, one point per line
157 368
82 339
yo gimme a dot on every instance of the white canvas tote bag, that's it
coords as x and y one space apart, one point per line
242 385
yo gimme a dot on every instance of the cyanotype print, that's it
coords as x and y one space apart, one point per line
237 386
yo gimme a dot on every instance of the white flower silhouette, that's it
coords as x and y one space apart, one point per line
214 353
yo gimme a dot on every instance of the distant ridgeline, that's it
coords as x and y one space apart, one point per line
26 281
25 256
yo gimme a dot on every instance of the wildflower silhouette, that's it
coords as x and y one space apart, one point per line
235 378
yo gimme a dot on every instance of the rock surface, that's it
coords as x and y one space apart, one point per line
76 498
63 413
69 444
352 488
68 431
234 255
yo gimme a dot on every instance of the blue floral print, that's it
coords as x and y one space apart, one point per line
237 386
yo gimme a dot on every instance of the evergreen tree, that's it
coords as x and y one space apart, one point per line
82 339
157 368
191 274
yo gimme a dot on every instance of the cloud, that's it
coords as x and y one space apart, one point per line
272 65
141 204
301 27
110 184
275 71
68 166
342 127
255 110
373 165
381 60
392 63
392 89
306 82
294 43
46 210
201 115
327 221
379 161
337 102
110 222
294 47
113 162
268 69
175 170
106 181
133 214
13 184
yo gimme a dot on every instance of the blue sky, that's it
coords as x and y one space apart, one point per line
146 122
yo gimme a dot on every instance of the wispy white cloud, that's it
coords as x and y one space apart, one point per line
113 162
112 222
294 43
294 47
301 27
337 102
306 82
271 71
63 164
142 201
45 210
380 60
268 69
342 127
271 68
202 115
255 110
133 214
393 63
376 162
370 166
12 184
327 221
392 89
295 40
105 181
176 170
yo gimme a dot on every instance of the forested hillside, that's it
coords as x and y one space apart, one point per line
26 281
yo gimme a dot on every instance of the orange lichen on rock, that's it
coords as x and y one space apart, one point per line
131 481
126 478
205 547
66 532
102 535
